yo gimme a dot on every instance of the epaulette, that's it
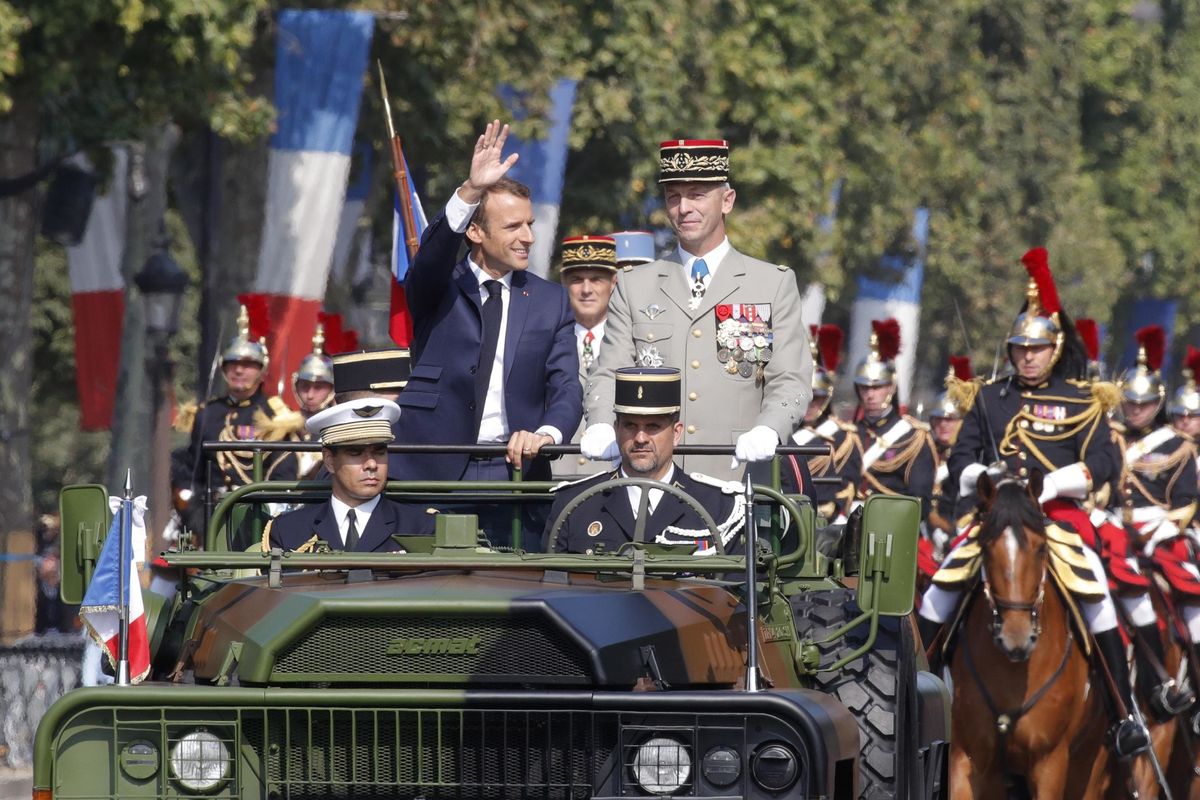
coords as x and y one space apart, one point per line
577 481
917 424
277 405
728 487
963 393
1106 394
278 427
185 417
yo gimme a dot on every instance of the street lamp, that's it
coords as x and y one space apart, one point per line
162 283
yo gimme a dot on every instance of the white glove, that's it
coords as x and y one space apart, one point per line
1073 481
138 531
969 478
599 442
756 444
1165 530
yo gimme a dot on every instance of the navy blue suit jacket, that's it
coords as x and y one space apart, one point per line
541 366
293 529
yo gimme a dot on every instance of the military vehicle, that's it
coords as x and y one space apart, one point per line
457 670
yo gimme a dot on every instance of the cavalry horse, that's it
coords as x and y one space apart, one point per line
1025 719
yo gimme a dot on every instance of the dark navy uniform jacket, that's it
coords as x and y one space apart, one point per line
906 467
1165 476
1052 425
608 518
293 530
845 465
541 367
226 419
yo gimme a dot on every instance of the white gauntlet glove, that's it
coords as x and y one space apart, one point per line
756 444
969 479
1072 481
599 442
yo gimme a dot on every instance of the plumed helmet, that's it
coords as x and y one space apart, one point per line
879 368
1186 400
316 366
1039 324
944 406
250 344
1143 383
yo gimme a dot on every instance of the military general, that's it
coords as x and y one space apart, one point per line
729 323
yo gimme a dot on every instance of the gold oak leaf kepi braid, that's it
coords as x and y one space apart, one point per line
682 160
596 252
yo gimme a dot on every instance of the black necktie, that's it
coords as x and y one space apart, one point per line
351 531
493 310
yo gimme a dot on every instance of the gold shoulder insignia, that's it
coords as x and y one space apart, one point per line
963 393
277 405
1106 394
627 268
278 427
185 417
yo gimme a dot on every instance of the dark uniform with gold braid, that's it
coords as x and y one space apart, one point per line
898 456
606 520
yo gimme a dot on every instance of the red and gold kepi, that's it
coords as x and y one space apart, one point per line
705 160
596 252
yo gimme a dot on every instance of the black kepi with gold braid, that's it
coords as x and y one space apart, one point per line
704 160
647 390
596 252
372 370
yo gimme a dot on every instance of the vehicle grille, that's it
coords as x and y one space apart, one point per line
510 650
430 753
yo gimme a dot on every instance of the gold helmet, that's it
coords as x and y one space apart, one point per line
1039 323
826 344
1143 383
250 344
316 366
879 368
1186 401
944 405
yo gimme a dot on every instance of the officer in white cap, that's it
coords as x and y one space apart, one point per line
357 517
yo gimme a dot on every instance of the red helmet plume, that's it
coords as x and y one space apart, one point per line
1089 332
829 343
1037 264
256 310
1153 341
334 336
1193 361
961 365
887 334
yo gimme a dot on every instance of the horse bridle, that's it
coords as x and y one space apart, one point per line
997 605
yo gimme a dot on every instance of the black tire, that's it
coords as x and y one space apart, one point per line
879 689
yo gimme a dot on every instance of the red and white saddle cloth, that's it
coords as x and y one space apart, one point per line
1172 550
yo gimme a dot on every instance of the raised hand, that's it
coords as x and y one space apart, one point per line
487 162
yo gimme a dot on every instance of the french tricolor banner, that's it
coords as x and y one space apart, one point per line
400 325
895 293
98 298
541 167
99 610
321 57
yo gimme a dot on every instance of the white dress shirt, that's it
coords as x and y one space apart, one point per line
712 259
493 425
362 515
598 336
635 492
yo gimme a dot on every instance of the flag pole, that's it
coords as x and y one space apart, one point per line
123 581
399 172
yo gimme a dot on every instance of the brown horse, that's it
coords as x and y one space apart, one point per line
1023 714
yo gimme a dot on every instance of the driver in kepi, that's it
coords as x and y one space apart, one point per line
647 401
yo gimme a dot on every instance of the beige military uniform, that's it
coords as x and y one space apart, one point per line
576 466
651 323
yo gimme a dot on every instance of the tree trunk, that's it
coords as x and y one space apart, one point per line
133 414
18 229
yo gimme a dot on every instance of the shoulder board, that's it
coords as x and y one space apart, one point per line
917 424
277 405
627 268
783 268
578 481
728 487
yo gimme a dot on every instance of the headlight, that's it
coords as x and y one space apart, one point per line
662 765
200 761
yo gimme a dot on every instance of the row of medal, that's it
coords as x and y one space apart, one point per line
744 341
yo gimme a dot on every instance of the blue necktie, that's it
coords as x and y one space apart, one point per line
699 273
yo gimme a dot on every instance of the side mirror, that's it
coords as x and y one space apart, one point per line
85 520
887 580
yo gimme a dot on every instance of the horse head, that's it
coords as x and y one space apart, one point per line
1012 540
